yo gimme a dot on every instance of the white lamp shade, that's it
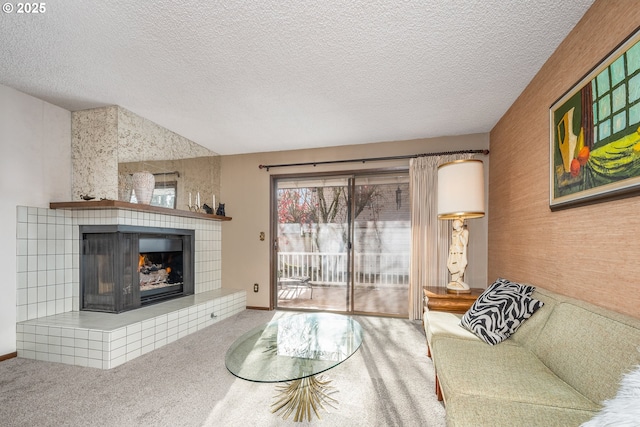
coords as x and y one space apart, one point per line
461 189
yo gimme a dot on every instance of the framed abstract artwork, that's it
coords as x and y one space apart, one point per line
595 132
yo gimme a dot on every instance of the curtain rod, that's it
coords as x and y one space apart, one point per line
373 159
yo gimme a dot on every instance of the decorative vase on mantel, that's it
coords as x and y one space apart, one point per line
143 185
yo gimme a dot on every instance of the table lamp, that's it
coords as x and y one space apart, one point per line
460 197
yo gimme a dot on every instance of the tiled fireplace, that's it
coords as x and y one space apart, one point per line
51 325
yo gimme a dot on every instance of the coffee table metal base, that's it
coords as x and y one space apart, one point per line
293 351
303 397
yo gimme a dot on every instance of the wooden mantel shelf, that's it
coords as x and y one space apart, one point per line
117 204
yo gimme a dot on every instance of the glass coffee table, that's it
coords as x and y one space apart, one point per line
294 350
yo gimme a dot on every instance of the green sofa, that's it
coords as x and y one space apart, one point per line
555 370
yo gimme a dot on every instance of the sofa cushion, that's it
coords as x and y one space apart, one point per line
624 409
464 411
586 345
442 324
499 312
507 372
530 330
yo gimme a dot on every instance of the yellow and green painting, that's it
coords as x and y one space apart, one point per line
595 131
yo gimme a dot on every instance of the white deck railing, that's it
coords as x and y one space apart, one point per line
331 268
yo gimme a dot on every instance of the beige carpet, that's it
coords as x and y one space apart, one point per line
389 381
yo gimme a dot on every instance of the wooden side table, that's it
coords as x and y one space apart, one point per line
442 299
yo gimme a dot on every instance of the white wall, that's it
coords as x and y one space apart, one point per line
35 169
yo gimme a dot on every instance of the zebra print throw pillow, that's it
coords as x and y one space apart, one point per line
504 283
500 311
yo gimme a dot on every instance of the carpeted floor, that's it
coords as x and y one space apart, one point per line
389 381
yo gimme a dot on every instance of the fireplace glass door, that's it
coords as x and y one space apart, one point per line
109 272
123 268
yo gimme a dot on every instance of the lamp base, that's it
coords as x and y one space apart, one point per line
458 287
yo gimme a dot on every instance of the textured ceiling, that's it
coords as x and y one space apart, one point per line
252 76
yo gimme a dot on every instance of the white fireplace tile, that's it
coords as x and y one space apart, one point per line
55 357
42 340
160 342
29 346
22 247
41 232
95 354
120 343
161 320
118 333
118 352
148 332
54 349
42 309
147 340
81 361
32 230
29 337
148 324
22 213
21 297
67 351
81 352
22 263
60 232
94 363
66 358
134 328
134 338
81 334
68 290
49 293
147 348
67 332
42 278
43 357
133 354
67 342
32 263
95 345
117 361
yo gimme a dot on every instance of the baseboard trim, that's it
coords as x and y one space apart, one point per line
257 308
4 357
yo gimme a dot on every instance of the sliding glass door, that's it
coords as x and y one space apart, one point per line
381 240
342 243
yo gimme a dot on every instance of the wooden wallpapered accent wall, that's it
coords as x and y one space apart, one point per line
590 252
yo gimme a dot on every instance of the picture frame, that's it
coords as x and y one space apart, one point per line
595 132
